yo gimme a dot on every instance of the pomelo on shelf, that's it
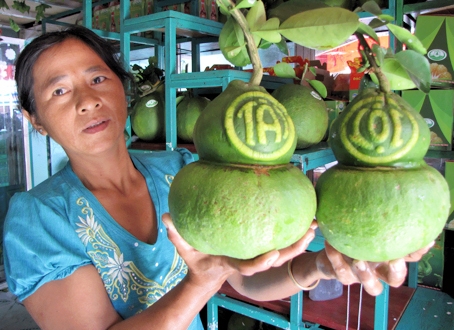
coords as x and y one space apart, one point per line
241 211
307 110
188 111
383 213
148 117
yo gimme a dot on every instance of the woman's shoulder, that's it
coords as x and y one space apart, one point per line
175 159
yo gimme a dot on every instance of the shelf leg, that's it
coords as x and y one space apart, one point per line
381 309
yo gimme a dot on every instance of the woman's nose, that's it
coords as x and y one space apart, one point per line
87 100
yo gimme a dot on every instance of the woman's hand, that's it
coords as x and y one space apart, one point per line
204 268
333 264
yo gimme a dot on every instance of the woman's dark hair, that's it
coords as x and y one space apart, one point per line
28 57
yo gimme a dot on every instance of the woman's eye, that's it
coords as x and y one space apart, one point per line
99 80
59 92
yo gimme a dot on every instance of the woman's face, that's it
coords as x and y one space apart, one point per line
80 102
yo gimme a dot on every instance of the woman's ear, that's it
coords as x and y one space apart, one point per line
33 121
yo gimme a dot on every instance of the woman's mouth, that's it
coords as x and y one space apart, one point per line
97 127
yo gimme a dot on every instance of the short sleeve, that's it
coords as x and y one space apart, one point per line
40 245
187 156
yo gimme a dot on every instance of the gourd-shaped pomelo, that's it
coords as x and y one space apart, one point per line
188 111
382 201
242 198
148 117
307 110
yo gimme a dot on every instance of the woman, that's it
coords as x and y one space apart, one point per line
93 247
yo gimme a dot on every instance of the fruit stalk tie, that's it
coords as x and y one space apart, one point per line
290 274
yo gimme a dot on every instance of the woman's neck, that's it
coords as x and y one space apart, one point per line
110 170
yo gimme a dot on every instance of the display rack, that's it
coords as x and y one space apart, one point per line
173 24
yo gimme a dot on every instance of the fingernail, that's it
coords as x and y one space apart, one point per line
398 265
361 265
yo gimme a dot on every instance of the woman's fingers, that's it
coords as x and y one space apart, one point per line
417 255
393 272
174 236
296 248
367 277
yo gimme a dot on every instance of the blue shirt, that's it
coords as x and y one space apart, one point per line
59 226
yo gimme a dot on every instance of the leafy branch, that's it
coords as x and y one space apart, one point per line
314 25
22 7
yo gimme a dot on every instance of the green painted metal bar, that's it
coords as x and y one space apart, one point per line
87 13
426 5
170 48
413 275
381 309
296 311
251 311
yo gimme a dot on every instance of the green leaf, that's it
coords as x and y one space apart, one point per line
407 38
376 23
396 74
319 87
234 50
40 9
367 30
268 31
3 4
21 6
223 8
246 4
292 7
386 18
323 29
312 70
418 68
284 70
372 7
265 44
14 25
282 46
231 37
379 53
255 18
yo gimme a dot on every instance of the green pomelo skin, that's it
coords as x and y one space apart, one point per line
308 112
148 117
241 211
245 125
188 111
379 214
378 129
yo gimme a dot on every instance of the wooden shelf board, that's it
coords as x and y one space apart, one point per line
333 313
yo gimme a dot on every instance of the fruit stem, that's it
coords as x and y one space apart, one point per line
257 68
383 82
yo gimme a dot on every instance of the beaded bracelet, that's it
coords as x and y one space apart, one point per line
290 274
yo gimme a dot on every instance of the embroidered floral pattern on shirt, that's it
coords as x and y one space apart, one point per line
121 276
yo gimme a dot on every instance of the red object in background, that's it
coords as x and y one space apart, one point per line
336 59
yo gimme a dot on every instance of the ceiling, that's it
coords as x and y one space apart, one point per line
27 20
